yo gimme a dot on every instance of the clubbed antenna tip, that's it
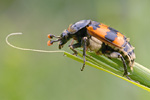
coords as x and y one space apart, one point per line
51 36
50 42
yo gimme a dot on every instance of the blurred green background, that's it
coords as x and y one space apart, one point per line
26 75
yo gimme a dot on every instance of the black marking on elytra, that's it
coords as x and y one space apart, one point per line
94 27
112 29
110 36
97 25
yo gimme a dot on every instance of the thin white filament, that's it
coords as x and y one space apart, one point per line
27 49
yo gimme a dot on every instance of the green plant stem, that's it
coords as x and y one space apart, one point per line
140 75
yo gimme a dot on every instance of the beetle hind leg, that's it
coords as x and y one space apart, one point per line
118 55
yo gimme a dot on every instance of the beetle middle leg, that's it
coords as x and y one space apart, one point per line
118 55
84 43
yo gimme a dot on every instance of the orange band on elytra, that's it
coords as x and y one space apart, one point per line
119 40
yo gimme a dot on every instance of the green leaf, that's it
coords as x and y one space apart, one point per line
140 75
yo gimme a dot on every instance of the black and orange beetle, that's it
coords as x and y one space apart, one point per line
100 38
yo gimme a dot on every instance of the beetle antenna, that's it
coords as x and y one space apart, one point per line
50 42
51 36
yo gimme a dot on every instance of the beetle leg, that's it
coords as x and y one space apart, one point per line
84 41
72 41
118 55
72 47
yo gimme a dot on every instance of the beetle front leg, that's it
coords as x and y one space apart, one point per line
72 47
118 55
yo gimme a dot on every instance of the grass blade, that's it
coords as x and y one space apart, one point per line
140 74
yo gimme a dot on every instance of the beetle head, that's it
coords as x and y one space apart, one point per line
63 38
